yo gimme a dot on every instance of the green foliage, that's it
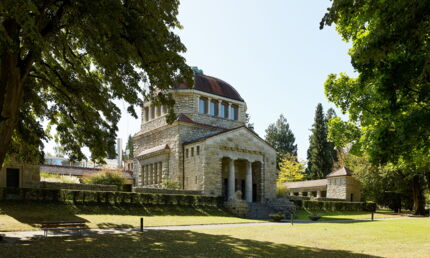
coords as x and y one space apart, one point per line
338 206
390 99
280 136
129 147
277 216
105 177
67 61
290 169
170 184
321 152
44 176
106 197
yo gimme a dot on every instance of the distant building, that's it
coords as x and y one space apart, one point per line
16 174
339 184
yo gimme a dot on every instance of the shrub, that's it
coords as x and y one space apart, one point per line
169 184
338 206
276 216
105 177
48 177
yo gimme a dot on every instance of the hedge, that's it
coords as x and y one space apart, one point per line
338 206
106 197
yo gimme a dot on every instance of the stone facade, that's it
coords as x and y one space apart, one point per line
207 149
19 175
343 187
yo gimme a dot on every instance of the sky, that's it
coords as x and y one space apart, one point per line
272 52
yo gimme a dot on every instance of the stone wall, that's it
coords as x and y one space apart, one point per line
165 191
353 187
342 187
89 187
29 175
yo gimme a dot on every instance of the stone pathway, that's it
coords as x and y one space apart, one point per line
24 236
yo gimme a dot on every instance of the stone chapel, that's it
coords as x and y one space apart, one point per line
208 148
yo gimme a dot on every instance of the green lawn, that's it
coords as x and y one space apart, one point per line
343 215
389 238
28 216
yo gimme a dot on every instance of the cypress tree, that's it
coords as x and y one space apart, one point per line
320 153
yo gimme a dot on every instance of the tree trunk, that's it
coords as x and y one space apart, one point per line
428 180
418 195
12 96
11 87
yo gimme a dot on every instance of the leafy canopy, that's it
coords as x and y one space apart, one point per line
290 169
66 62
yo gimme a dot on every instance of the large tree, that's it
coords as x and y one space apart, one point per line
280 136
321 154
67 61
389 102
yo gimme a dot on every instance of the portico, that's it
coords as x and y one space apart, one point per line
241 174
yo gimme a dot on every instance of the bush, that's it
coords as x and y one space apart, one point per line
105 177
276 216
105 197
338 206
169 184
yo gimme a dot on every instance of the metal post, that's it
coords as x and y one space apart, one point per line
372 215
141 224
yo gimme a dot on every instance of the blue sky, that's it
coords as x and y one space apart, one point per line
272 52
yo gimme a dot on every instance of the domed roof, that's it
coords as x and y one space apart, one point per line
212 85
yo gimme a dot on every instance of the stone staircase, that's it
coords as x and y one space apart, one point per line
258 211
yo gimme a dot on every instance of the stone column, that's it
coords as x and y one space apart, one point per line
318 194
300 193
209 106
160 172
231 179
142 171
219 108
309 194
248 182
228 111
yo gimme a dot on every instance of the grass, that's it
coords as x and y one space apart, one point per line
343 215
28 216
389 238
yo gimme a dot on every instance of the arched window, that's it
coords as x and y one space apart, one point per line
203 106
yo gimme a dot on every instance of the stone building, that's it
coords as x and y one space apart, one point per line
17 175
339 184
208 148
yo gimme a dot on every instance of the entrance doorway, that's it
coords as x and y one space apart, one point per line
12 177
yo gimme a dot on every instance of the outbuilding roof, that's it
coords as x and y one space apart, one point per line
340 172
306 184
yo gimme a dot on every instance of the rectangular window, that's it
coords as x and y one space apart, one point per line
146 113
186 153
213 108
198 150
203 106
223 111
192 152
152 112
233 112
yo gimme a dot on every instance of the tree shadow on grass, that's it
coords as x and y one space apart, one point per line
165 244
33 213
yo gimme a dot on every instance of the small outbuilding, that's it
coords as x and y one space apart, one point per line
339 184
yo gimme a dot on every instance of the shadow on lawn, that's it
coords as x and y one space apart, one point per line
33 213
166 244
